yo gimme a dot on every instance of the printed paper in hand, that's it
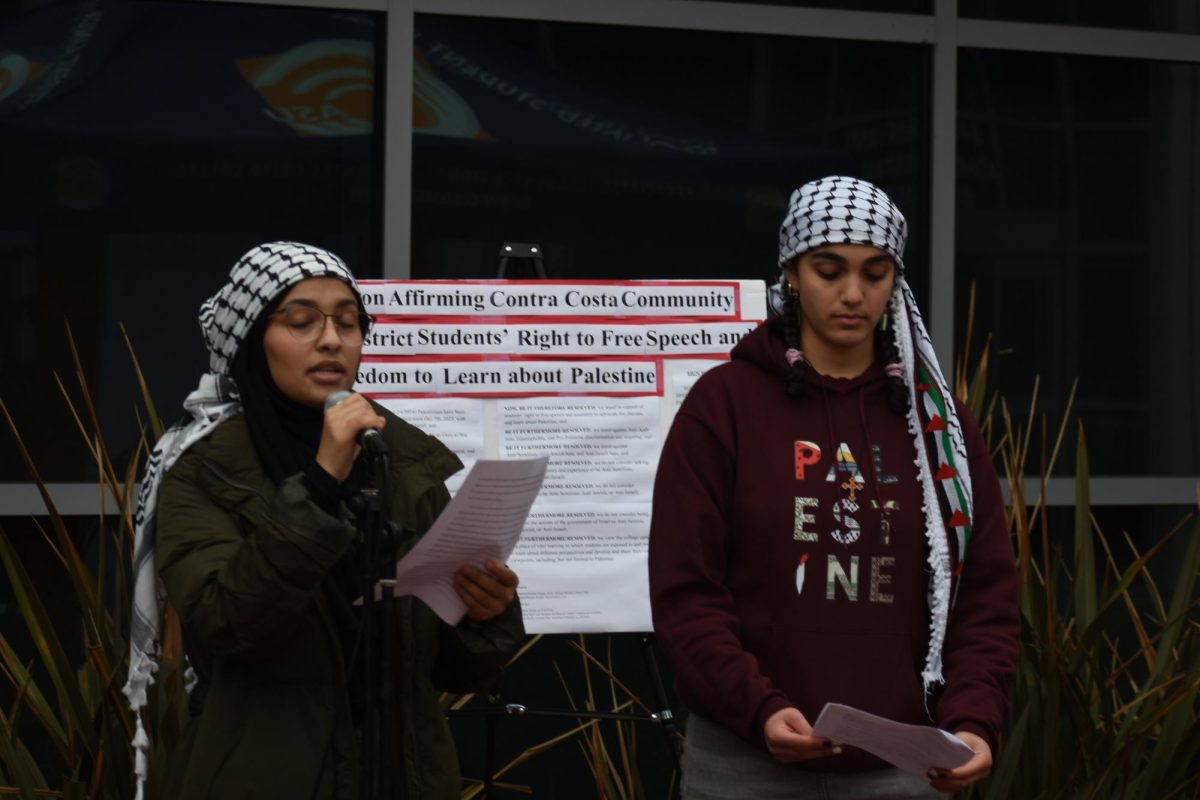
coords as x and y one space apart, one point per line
912 748
484 520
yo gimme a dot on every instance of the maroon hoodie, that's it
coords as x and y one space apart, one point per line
781 575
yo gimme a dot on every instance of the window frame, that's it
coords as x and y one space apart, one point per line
945 31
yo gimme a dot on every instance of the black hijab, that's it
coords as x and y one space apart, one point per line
285 433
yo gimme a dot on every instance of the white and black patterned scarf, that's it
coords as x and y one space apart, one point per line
845 210
260 276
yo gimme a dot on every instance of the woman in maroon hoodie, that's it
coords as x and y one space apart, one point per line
828 527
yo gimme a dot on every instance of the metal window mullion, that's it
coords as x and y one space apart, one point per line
943 181
1117 491
701 15
340 5
84 499
397 144
1078 40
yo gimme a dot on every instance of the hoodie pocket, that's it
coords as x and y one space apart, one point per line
874 672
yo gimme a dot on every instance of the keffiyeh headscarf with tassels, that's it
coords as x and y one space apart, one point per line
844 210
259 277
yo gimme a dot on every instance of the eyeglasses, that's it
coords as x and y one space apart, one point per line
307 323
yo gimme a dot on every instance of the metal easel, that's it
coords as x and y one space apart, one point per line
527 257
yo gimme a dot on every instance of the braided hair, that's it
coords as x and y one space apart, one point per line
791 337
885 350
888 353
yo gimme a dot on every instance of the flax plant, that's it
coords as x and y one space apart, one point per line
1096 714
75 706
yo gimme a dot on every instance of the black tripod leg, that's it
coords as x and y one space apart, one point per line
667 719
489 758
492 720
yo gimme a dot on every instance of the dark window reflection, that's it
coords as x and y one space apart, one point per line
647 153
1079 219
147 145
1169 16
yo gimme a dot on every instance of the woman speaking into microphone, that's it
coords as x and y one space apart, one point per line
243 516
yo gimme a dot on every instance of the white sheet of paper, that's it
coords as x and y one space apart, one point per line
575 559
484 520
912 748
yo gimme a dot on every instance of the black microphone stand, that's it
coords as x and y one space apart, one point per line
379 543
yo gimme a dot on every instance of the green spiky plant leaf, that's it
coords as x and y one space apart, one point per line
81 711
1093 717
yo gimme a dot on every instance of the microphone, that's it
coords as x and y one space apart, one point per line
369 439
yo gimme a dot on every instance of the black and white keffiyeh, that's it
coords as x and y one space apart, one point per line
844 210
256 279
841 210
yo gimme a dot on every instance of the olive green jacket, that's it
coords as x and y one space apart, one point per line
242 561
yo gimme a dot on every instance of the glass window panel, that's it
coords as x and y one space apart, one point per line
1169 16
153 143
1078 219
672 159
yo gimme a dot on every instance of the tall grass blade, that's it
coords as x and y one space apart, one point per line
53 656
1159 608
80 577
110 681
1181 601
633 698
22 769
976 393
1083 660
19 676
1174 760
156 425
106 467
1085 553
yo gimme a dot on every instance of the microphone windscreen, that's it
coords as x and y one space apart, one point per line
336 398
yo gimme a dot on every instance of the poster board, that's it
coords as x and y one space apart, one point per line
589 373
